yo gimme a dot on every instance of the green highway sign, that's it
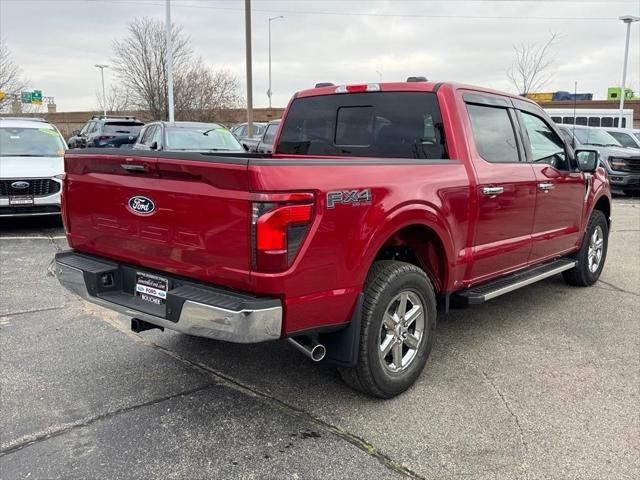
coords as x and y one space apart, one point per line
36 97
26 97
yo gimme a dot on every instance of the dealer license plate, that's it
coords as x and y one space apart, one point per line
151 288
20 200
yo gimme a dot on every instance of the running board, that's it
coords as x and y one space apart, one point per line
514 281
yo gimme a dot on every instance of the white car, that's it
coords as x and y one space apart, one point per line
31 167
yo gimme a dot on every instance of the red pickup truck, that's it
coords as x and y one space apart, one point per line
381 204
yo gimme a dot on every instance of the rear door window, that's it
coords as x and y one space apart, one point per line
369 124
493 133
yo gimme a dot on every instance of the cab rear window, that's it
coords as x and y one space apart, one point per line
370 124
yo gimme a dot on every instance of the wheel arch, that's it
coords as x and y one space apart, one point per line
416 238
604 205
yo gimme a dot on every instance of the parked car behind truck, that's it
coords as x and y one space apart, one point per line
187 136
107 131
380 202
249 142
265 145
622 164
31 167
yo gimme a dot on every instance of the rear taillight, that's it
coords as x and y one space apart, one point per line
278 229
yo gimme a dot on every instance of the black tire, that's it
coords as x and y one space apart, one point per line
581 275
630 193
386 280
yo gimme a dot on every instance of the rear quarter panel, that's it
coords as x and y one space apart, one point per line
322 284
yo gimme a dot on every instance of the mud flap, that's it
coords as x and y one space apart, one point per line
342 346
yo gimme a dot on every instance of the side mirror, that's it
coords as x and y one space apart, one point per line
154 146
587 160
75 133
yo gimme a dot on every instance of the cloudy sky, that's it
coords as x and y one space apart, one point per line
57 42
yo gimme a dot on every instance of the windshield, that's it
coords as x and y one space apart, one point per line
625 139
122 128
30 142
204 138
594 136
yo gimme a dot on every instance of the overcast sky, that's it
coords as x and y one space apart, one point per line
57 42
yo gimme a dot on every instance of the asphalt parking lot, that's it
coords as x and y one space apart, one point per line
541 383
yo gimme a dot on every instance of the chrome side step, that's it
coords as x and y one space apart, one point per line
514 281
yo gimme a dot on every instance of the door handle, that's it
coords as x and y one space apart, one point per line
492 191
133 167
546 186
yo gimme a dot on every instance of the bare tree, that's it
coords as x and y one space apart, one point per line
140 63
202 92
117 99
529 70
11 80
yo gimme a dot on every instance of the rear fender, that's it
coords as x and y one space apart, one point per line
407 215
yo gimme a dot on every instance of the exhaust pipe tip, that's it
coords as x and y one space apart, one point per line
318 352
310 347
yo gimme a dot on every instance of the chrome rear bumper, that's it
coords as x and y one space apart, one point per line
245 325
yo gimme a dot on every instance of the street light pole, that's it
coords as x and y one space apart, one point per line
628 19
169 62
269 92
102 66
247 37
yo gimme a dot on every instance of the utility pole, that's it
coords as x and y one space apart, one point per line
247 35
102 66
169 62
269 92
628 19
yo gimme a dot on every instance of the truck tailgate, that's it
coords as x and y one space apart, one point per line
188 216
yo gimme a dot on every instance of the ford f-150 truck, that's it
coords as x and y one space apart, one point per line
381 204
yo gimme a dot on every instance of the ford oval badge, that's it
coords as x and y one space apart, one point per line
20 185
142 205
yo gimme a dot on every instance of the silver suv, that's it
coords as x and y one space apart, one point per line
31 167
622 164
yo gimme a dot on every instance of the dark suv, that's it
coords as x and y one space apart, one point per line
103 131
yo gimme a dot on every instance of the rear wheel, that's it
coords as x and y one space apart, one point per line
592 253
398 326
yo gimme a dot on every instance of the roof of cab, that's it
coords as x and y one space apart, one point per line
384 87
414 86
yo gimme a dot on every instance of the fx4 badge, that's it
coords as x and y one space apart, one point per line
348 197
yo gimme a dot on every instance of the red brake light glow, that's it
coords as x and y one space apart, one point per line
272 226
280 222
357 88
